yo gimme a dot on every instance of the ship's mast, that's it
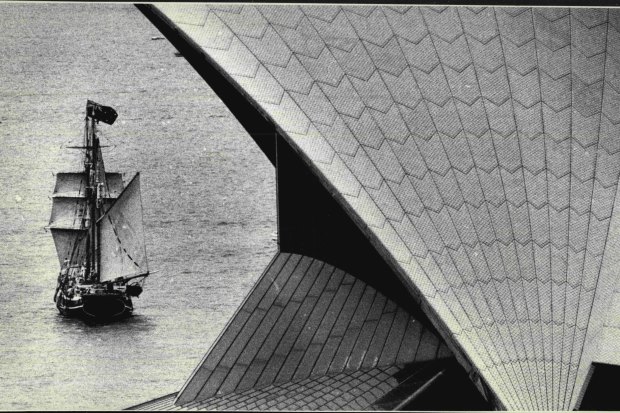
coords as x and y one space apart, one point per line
91 164
96 178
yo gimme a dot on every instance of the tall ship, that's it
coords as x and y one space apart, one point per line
97 228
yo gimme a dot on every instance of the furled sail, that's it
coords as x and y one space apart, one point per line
122 248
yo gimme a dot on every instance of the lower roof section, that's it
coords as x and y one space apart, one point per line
374 389
420 387
161 403
310 335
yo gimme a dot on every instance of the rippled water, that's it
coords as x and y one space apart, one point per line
208 194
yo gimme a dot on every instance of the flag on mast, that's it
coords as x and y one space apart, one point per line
105 114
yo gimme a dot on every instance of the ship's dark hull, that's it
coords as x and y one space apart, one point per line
95 306
68 307
107 306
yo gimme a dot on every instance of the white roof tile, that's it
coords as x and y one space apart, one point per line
399 101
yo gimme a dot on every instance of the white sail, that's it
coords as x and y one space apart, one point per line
114 185
69 199
121 233
68 209
67 212
70 246
112 181
73 184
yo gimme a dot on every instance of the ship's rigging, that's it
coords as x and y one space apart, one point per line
97 228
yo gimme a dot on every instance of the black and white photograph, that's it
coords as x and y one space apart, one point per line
318 207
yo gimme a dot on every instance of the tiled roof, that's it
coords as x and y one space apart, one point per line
311 336
358 390
609 347
161 403
307 319
478 146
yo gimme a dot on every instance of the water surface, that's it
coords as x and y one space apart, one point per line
208 195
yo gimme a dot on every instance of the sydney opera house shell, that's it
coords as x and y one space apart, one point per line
448 219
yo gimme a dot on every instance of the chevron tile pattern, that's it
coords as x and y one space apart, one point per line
307 320
344 391
479 146
609 346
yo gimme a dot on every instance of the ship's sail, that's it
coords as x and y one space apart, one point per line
112 182
73 184
67 212
113 185
121 233
70 246
69 208
96 224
